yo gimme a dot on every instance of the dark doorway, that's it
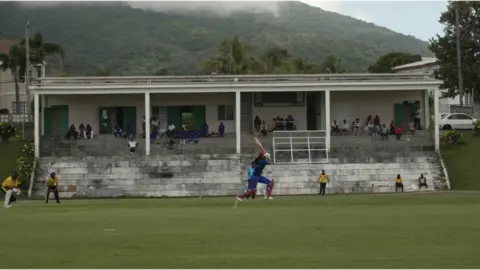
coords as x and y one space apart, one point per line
311 112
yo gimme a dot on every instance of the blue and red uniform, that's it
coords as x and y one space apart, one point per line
257 177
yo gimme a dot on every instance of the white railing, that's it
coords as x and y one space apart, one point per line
15 118
301 146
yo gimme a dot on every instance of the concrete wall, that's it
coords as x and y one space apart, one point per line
344 105
85 108
351 105
7 90
221 176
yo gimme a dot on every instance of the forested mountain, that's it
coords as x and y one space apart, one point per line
133 41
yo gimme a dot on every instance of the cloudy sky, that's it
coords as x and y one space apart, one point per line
417 18
413 17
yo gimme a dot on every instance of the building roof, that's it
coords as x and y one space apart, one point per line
5 45
425 62
233 83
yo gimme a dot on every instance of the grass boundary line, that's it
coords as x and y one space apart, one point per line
444 169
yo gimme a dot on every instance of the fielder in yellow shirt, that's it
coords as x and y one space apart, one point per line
398 183
10 188
52 186
323 179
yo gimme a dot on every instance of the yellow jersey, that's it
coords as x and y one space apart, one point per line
52 181
398 180
9 183
323 178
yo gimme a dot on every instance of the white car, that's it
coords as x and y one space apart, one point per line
456 121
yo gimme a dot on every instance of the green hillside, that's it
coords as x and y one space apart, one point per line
135 41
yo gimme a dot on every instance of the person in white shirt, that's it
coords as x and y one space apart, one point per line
132 145
345 127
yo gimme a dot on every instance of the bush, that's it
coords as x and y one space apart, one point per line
4 111
476 129
7 131
453 137
25 163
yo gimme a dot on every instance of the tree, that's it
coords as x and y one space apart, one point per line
163 72
388 61
40 49
332 64
103 72
444 47
275 59
302 65
13 61
232 58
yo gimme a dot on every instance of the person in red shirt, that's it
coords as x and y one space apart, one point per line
398 132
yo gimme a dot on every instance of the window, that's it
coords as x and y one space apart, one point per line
23 108
225 113
464 117
279 99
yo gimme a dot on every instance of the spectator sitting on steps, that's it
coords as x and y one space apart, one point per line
422 181
118 131
72 133
88 132
263 129
81 128
398 133
132 145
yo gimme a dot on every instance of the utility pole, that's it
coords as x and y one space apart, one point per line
459 54
28 106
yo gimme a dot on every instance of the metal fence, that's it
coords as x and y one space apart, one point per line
299 146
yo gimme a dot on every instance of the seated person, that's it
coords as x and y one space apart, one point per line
369 128
392 128
154 136
345 127
411 128
170 130
398 133
263 128
132 145
356 127
385 132
422 181
205 131
118 131
221 129
88 132
72 133
81 134
128 132
290 123
376 132
335 128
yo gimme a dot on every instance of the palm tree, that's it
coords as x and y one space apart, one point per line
332 64
40 49
232 58
302 66
103 72
14 60
274 58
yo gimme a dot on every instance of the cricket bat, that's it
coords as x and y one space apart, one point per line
257 142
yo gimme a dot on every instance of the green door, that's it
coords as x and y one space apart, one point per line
174 116
47 121
199 117
130 118
105 120
398 114
64 125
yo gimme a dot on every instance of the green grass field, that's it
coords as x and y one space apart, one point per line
439 230
462 162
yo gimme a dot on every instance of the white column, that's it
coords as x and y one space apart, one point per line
42 115
147 123
238 132
436 117
36 123
327 119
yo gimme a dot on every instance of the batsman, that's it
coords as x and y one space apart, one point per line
52 186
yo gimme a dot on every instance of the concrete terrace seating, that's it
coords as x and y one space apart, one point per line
221 175
107 145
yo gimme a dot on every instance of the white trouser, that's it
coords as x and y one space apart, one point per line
8 195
